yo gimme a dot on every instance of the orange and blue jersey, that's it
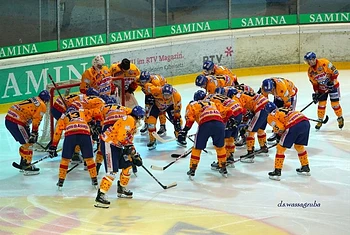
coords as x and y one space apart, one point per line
130 76
92 78
322 73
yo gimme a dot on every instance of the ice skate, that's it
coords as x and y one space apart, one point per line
152 145
30 170
76 158
94 182
263 150
304 170
272 138
340 122
181 143
191 173
162 130
101 200
144 129
248 158
275 175
240 142
215 166
223 170
123 192
60 184
319 124
230 161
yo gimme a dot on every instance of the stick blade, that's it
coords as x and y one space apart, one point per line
175 155
172 185
325 120
157 168
16 165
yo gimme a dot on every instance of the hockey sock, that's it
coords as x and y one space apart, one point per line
106 183
162 118
63 168
26 153
124 176
221 155
91 166
250 141
337 108
77 149
321 109
302 154
195 156
230 146
99 156
261 137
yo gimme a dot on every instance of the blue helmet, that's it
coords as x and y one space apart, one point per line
310 55
267 85
145 76
231 92
270 106
201 80
138 112
92 91
104 97
167 90
220 90
208 65
199 95
71 109
44 95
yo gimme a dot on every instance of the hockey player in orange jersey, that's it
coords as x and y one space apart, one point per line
209 83
18 120
230 134
97 76
209 68
254 103
211 119
119 153
166 100
284 92
74 123
146 81
292 128
59 106
129 72
323 77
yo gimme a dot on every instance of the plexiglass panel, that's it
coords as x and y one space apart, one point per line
324 6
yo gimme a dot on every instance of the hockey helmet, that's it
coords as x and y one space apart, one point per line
125 64
231 92
98 62
44 95
270 107
145 76
92 92
201 80
138 112
199 95
208 67
167 91
220 90
267 85
310 58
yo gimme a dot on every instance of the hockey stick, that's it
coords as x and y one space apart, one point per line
313 101
163 186
160 139
255 152
323 121
72 168
158 168
208 152
59 93
16 165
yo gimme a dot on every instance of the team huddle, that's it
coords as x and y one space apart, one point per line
230 113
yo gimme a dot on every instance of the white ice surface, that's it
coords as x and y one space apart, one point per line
244 203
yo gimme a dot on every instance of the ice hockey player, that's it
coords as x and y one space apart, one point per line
167 100
209 68
119 153
230 134
18 120
74 123
146 82
292 128
211 119
255 104
111 113
129 72
59 106
209 83
323 77
284 92
97 76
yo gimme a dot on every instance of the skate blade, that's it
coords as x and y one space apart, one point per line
162 134
215 168
100 205
191 177
224 175
151 148
59 188
135 174
247 160
304 173
277 178
29 173
230 165
123 196
144 133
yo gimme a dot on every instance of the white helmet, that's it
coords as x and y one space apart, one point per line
98 62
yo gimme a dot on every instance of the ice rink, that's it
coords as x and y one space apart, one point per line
247 202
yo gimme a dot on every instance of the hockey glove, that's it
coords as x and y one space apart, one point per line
278 137
52 151
315 97
231 123
137 160
33 137
129 150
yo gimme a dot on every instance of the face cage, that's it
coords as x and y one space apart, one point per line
311 62
167 96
